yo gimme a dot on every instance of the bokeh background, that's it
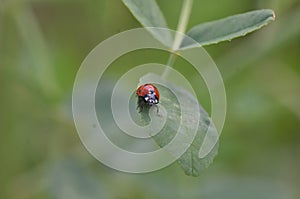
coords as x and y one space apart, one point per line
42 44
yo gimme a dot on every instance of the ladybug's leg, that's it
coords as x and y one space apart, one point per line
157 109
139 107
140 104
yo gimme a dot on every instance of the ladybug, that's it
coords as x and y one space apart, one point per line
148 95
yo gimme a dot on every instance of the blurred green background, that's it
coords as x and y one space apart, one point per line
42 44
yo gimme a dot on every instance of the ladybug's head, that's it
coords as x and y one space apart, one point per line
151 98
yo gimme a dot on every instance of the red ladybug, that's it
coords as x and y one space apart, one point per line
148 95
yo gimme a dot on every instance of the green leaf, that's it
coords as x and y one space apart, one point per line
148 13
189 161
228 28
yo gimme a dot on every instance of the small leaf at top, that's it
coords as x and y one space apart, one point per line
228 28
148 13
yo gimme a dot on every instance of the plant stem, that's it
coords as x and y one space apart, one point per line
182 24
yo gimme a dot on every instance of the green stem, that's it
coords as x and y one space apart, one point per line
182 24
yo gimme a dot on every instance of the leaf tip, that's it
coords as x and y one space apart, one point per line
273 15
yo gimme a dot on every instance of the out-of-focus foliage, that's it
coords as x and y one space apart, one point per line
42 44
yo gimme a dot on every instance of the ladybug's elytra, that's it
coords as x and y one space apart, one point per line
148 95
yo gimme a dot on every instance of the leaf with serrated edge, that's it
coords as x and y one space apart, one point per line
228 28
148 13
